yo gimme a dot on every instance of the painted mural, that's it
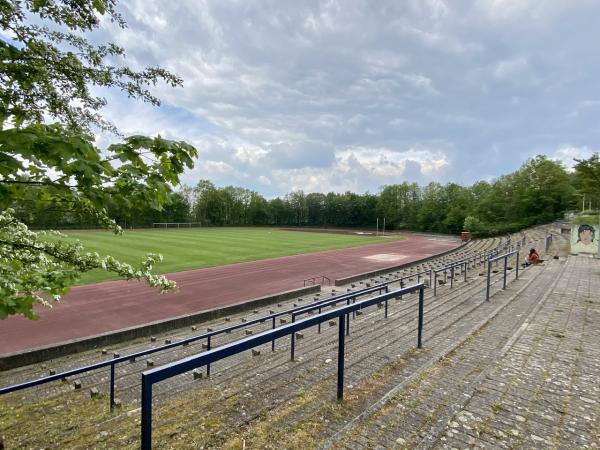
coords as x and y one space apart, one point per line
584 238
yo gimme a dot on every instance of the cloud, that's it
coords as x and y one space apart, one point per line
389 163
335 96
510 68
420 82
362 169
264 180
534 12
567 155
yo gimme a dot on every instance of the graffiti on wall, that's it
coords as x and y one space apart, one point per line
584 238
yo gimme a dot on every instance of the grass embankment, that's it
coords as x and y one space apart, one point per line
199 248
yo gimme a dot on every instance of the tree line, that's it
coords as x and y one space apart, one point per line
540 191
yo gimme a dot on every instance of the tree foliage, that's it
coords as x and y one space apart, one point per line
42 268
587 178
49 73
538 192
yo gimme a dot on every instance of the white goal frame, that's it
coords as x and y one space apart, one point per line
167 225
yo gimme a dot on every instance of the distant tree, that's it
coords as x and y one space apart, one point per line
587 176
209 206
46 70
315 209
258 210
545 190
459 202
472 224
397 204
432 208
297 203
280 212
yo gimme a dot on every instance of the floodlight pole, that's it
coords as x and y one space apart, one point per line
377 229
383 234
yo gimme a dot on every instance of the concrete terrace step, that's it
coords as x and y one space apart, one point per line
243 389
141 344
545 392
124 370
415 408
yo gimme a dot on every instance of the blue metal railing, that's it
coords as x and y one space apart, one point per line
489 270
348 297
150 377
464 265
208 336
451 267
320 278
351 296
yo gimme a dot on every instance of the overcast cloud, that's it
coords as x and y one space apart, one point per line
351 95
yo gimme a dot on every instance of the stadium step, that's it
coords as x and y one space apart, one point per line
248 391
413 414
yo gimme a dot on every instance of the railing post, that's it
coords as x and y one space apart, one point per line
348 320
386 309
208 348
146 414
517 265
489 273
466 270
451 277
435 284
341 350
505 266
293 340
112 386
430 276
347 324
420 324
273 341
319 326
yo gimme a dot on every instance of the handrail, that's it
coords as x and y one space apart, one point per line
315 278
489 270
186 341
450 267
150 377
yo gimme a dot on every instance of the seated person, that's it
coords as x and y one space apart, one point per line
532 258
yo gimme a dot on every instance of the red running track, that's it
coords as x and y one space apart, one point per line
98 308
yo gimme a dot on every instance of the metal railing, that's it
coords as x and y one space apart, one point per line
451 268
212 333
150 377
183 342
350 298
464 264
313 280
491 261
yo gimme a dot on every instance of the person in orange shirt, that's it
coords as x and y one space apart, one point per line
532 258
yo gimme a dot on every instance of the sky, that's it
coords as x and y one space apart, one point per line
343 95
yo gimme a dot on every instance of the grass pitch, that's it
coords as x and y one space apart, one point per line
198 248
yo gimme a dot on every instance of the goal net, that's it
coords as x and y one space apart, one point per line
176 224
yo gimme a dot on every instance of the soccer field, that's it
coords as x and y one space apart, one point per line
198 248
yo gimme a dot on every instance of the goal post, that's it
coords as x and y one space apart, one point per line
168 225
